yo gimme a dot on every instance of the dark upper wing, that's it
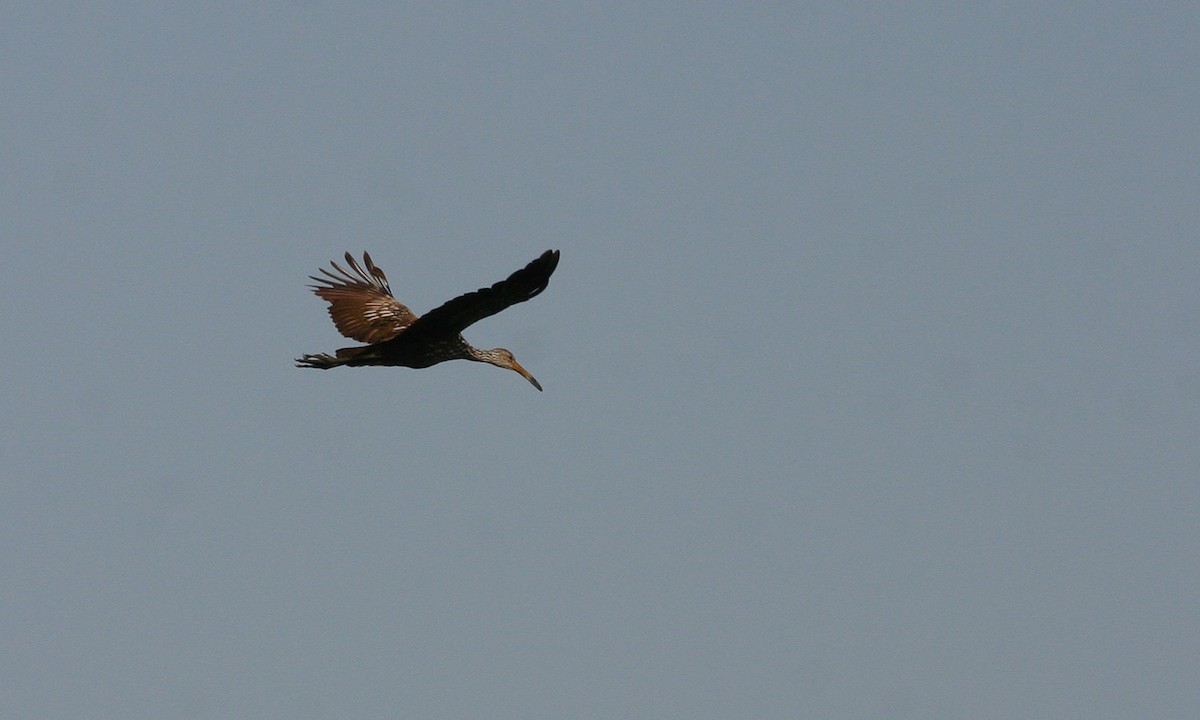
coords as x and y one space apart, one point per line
361 303
454 316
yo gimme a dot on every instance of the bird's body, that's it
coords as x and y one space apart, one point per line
363 308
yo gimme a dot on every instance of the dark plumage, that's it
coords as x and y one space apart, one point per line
363 308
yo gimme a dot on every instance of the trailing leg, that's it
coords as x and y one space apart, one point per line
321 361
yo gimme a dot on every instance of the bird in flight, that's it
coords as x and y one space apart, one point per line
363 309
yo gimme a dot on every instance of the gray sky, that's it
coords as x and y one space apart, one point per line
870 365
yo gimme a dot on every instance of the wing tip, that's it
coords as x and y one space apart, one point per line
549 260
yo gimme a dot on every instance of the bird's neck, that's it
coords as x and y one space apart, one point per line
488 356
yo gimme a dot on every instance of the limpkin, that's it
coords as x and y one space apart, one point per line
363 308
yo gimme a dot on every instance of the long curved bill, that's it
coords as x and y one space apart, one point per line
525 374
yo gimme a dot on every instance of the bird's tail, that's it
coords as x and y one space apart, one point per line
324 361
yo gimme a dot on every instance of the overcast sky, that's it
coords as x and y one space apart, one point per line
871 364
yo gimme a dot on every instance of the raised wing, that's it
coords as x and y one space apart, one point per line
456 315
361 303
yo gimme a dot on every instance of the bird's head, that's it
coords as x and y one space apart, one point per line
503 358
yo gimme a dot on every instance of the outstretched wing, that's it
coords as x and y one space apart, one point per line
454 316
361 303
